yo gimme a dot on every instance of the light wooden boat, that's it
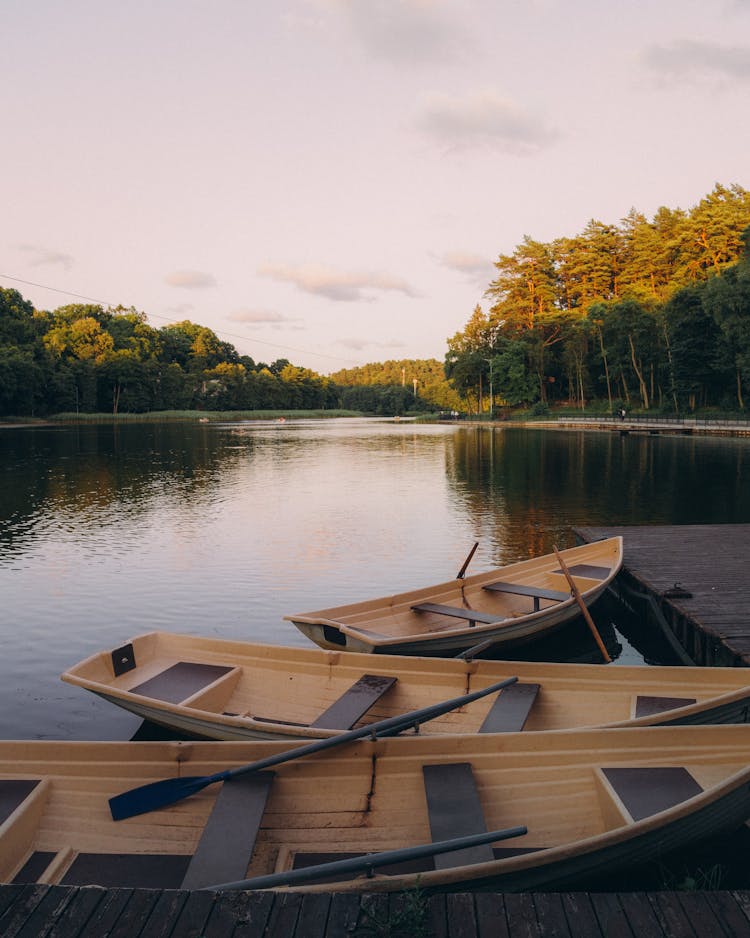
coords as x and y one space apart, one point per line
230 690
591 801
512 604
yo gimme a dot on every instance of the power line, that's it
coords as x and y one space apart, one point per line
233 335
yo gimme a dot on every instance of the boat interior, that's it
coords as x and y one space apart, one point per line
334 691
372 796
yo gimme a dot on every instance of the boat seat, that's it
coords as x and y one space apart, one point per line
649 789
132 870
588 571
457 612
354 703
350 707
511 709
454 810
13 792
181 681
646 706
537 592
228 840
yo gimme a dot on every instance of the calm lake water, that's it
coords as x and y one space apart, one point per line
106 532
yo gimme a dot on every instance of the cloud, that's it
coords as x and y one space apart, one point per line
260 317
475 267
44 257
484 119
190 279
357 345
411 32
689 57
334 284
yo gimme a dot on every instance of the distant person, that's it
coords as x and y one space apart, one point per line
622 413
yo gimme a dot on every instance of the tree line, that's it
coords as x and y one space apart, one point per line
83 358
647 314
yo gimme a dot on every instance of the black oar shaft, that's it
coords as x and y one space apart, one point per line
369 861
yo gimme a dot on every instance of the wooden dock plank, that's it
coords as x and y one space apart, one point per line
580 915
460 915
672 918
108 911
728 912
134 914
701 915
249 911
164 913
550 914
313 915
8 895
640 914
282 922
521 915
76 917
51 906
85 912
18 912
611 916
193 916
491 917
343 913
709 561
437 919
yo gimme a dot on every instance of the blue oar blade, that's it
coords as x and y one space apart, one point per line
157 795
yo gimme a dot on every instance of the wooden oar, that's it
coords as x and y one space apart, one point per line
462 571
579 599
159 794
369 861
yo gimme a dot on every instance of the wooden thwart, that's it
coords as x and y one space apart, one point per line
14 791
455 810
181 681
537 592
228 839
511 709
134 870
354 703
648 790
646 706
457 612
350 707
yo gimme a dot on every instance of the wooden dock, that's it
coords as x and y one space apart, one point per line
696 577
654 426
91 912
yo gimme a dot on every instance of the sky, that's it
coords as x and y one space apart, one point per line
330 181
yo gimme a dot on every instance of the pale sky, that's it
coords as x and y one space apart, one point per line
329 181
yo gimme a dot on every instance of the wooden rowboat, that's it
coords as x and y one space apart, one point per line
230 690
586 803
512 604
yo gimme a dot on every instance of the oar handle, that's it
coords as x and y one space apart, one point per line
382 727
462 571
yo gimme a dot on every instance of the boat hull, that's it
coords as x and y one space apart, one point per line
248 691
566 797
511 606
